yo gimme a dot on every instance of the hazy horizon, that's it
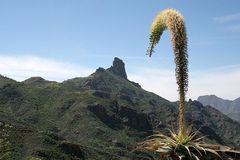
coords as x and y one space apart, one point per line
58 40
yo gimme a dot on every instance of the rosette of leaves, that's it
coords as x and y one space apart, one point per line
181 147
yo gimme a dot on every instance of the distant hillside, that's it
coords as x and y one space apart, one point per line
228 107
99 117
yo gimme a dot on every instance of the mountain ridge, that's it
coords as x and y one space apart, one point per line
228 107
102 116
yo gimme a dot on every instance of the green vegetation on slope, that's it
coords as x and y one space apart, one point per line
102 116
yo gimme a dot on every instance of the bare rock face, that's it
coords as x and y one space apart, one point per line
118 68
116 117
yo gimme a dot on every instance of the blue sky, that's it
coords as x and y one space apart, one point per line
60 39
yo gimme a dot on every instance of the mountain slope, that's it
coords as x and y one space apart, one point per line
230 108
102 116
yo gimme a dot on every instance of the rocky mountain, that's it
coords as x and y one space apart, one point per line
228 107
102 116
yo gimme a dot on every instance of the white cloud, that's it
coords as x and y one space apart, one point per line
230 22
223 82
227 18
161 82
233 28
21 68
